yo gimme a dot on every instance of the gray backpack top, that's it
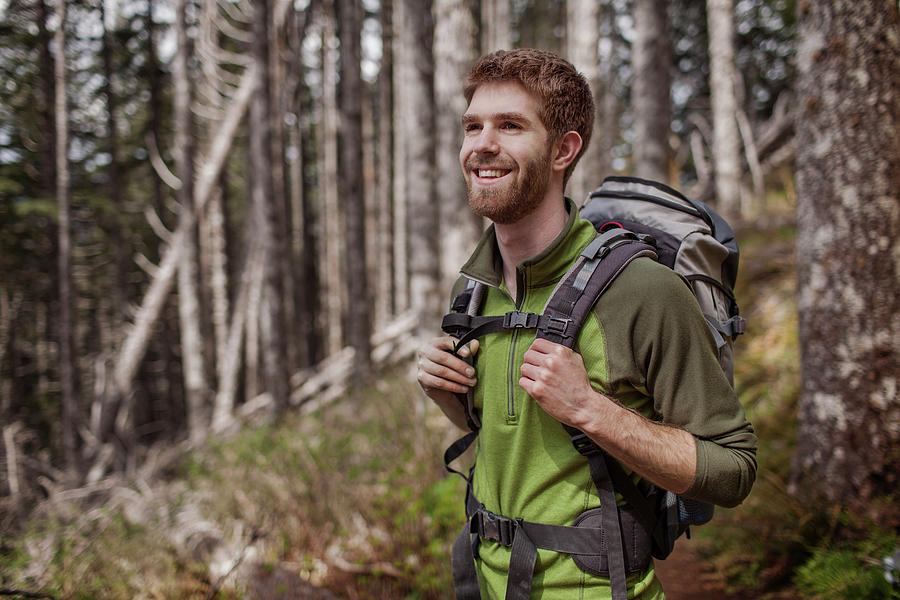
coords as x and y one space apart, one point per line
690 238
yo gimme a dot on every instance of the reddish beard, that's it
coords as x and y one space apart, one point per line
508 203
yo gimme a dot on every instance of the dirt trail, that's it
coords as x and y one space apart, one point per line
685 576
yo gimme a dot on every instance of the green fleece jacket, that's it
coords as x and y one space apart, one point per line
647 345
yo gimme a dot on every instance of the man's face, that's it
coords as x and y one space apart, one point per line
505 154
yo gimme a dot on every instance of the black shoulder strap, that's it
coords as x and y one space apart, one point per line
460 323
591 275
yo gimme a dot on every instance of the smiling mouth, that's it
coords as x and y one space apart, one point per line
490 173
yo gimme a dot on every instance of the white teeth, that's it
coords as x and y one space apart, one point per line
490 173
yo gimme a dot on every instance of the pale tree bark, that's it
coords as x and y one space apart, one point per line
609 108
331 246
424 263
455 50
230 356
67 363
350 184
651 53
726 143
848 249
265 206
212 222
496 29
196 387
583 38
384 193
402 108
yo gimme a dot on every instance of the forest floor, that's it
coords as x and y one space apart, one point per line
686 575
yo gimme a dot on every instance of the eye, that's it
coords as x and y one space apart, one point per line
510 125
471 127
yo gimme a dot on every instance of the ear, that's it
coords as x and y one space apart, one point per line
565 150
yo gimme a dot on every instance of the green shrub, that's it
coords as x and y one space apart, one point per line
843 575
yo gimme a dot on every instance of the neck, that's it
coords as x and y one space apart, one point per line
529 236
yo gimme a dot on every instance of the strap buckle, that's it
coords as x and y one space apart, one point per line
520 320
585 445
495 528
557 325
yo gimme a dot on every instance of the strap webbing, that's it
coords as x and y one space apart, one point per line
610 519
585 283
521 566
456 450
465 578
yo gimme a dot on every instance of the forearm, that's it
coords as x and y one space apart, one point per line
664 455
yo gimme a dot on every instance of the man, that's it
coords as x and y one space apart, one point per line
643 381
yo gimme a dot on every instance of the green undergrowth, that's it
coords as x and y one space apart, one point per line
351 499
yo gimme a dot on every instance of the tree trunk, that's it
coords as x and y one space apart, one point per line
280 200
848 248
650 92
333 288
350 185
195 384
47 102
455 50
118 237
496 32
402 110
265 204
303 220
424 263
68 372
168 334
583 37
384 266
726 144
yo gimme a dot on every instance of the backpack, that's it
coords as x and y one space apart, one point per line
634 218
689 237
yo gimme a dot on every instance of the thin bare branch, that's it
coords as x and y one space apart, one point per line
751 154
146 265
156 224
240 13
160 166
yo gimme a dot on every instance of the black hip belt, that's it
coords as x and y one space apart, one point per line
585 540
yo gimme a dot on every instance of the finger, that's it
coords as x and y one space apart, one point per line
440 350
444 363
432 382
445 366
545 346
530 371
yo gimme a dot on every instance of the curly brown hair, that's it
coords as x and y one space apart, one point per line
566 100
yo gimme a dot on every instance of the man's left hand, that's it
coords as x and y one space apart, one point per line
555 377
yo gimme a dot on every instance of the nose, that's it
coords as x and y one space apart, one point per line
486 141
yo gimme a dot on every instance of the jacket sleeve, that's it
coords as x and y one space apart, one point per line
659 345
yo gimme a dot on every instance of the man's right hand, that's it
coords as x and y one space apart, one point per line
442 374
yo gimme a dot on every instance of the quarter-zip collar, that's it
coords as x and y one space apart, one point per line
486 264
